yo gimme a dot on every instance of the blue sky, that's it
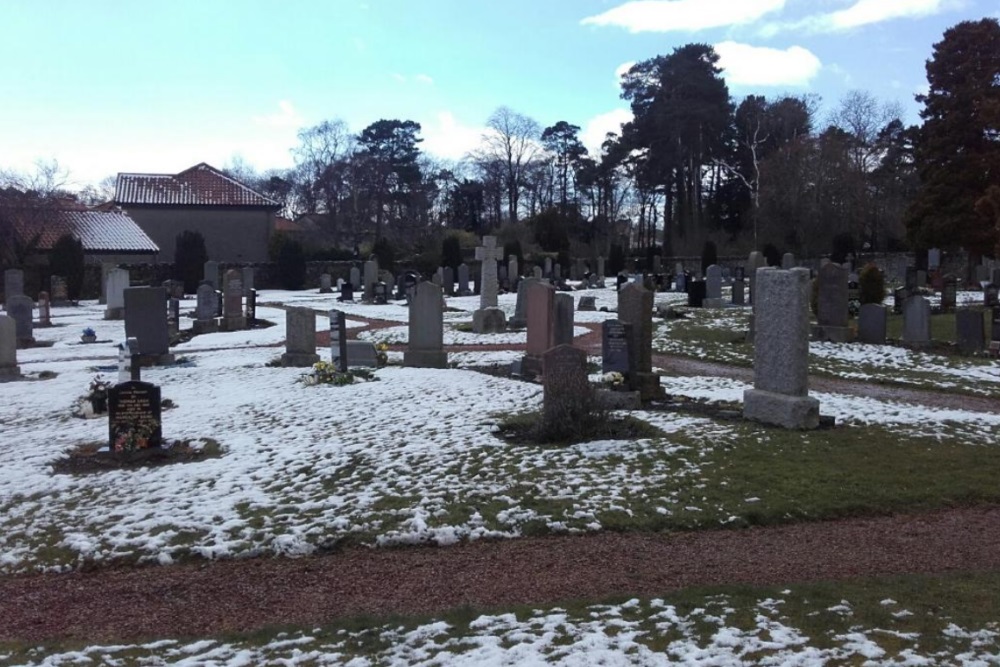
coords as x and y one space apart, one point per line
116 85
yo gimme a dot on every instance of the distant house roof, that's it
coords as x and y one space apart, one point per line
98 231
201 185
282 224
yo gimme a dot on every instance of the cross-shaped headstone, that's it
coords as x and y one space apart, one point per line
488 254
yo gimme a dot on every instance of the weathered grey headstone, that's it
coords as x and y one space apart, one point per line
787 261
102 298
232 308
211 273
970 331
536 273
44 310
520 318
587 303
754 262
513 271
425 348
614 347
60 291
738 296
338 340
8 349
567 395
115 285
300 338
781 352
541 326
463 280
635 307
832 310
872 319
713 287
438 277
205 309
325 283
146 320
917 321
489 318
562 333
13 281
370 278
548 267
355 278
21 309
248 276
361 353
949 293
933 258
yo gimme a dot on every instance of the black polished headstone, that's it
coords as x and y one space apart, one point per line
134 417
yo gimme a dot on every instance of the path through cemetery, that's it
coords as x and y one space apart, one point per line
208 598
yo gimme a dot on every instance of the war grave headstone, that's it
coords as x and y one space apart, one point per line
713 287
463 280
832 311
970 331
787 261
115 285
541 326
211 273
361 354
562 333
614 347
8 349
325 283
872 320
587 303
780 394
44 310
13 284
917 321
489 318
146 320
426 328
949 293
21 309
566 393
520 318
338 340
635 307
370 278
300 338
248 276
205 309
134 418
60 291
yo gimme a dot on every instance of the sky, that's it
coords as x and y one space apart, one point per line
108 86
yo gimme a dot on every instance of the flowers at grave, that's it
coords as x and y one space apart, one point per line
324 372
89 333
382 354
613 379
132 439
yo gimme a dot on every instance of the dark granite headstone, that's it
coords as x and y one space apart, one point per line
338 340
134 416
970 335
872 324
251 313
146 319
696 293
739 296
990 295
346 292
614 347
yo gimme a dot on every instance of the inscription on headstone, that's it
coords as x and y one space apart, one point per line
134 417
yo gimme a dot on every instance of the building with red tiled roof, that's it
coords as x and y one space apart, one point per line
235 220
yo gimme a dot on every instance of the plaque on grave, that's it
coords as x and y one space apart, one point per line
134 417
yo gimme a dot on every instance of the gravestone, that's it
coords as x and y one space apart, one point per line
548 267
567 397
970 334
738 296
933 259
232 307
175 289
425 348
13 284
949 293
910 282
540 300
325 283
614 347
831 316
513 271
587 303
248 276
680 282
872 320
696 293
562 333
146 321
355 278
921 278
251 311
8 349
218 303
754 262
371 277
60 291
173 316
44 310
361 353
520 318
600 268
205 309
557 272
995 324
780 394
536 273
463 280
917 321
114 293
338 340
635 308
990 293
489 318
134 421
21 309
787 261
211 273
346 292
620 280
449 281
713 287
300 338
657 264
899 296
438 277
102 299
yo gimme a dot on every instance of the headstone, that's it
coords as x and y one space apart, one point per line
44 310
917 321
513 271
614 347
536 273
102 299
921 278
248 276
21 309
211 273
990 293
563 326
567 396
449 281
232 309
754 262
696 293
325 283
995 324
115 285
587 303
520 317
780 394
426 341
787 261
680 282
346 292
600 268
541 326
933 259
361 353
60 291
338 340
620 280
146 320
872 324
13 284
557 271
8 349
738 297
371 277
548 267
949 293
713 286
463 280
355 278
995 277
489 318
832 311
175 289
438 277
205 309
134 421
635 307
657 264
251 311
300 338
970 336
173 316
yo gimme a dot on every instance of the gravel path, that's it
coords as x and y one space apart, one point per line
203 599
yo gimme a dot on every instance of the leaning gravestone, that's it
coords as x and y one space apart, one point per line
635 307
562 333
134 421
567 395
300 338
872 324
338 340
832 310
146 320
114 293
426 329
13 282
211 273
21 309
489 318
541 326
917 321
780 394
614 347
970 335
8 349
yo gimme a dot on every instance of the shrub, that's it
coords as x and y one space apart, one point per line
385 254
843 245
291 265
616 260
709 256
871 284
451 252
67 260
189 259
772 255
514 248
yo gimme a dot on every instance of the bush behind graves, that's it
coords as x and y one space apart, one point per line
67 260
616 260
190 256
871 284
451 251
709 256
291 265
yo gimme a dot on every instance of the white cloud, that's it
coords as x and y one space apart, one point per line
423 78
596 129
865 12
287 116
449 139
399 77
621 71
683 15
747 65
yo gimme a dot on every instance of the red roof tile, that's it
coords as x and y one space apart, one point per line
99 231
201 185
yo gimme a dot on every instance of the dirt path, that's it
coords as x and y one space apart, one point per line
132 604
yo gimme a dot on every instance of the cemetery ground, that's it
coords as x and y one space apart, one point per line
717 542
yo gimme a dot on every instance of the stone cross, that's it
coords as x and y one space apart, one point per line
488 254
